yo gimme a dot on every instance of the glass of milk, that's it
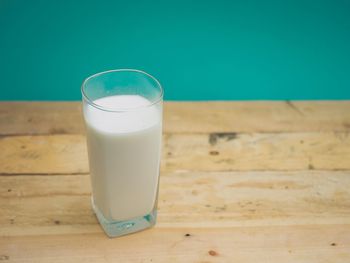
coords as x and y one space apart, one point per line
123 116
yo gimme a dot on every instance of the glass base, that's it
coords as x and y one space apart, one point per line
121 228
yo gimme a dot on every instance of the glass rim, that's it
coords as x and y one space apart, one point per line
89 101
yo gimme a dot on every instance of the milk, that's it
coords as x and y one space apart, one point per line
124 155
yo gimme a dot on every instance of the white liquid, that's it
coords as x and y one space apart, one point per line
124 155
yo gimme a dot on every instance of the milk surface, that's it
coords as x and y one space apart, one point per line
124 155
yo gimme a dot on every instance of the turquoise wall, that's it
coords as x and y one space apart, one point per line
199 50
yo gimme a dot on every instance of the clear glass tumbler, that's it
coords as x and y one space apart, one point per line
123 116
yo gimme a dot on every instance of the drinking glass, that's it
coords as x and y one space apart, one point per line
123 117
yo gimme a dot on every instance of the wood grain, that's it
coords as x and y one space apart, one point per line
188 117
40 118
257 116
240 182
302 244
257 151
55 154
66 154
40 205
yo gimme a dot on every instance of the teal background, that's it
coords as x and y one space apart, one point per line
199 50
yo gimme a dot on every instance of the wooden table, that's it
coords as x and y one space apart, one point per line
240 182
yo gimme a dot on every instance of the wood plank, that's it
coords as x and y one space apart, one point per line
257 116
302 244
257 151
188 117
40 118
53 154
43 154
41 205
